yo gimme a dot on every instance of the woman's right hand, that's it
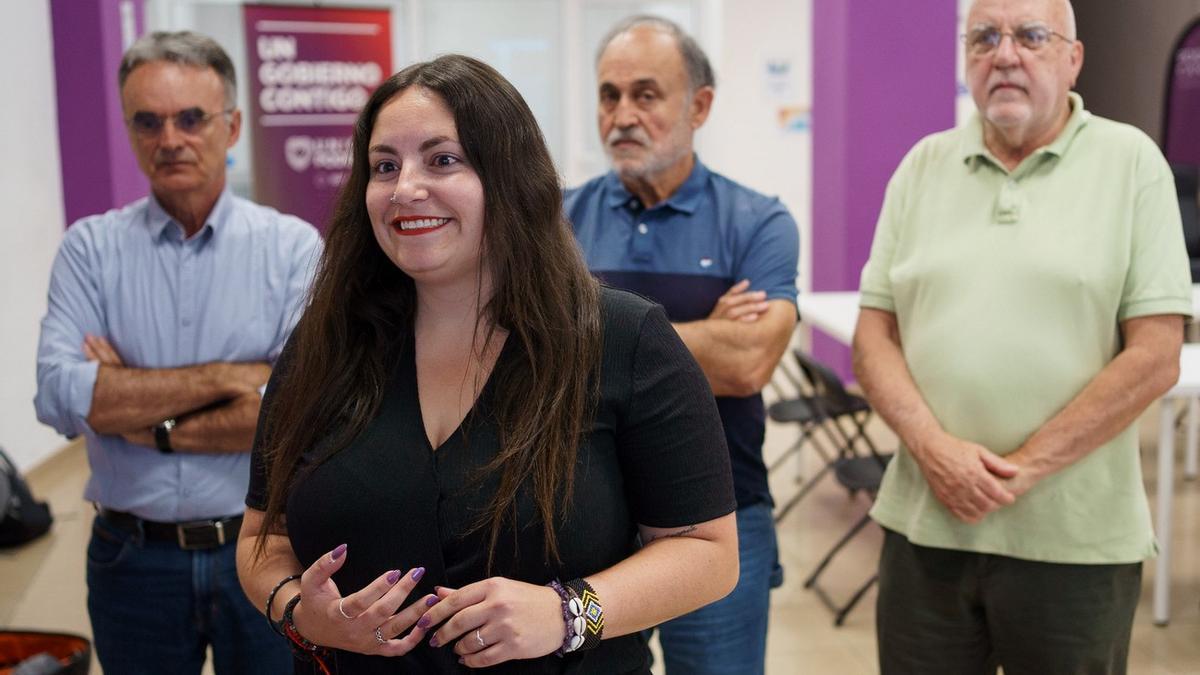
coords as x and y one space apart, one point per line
357 621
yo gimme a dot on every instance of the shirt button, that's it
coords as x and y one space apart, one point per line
187 322
633 203
642 229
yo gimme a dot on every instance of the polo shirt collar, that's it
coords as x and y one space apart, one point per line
617 194
974 149
157 218
686 199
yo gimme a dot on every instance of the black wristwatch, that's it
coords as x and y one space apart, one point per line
162 435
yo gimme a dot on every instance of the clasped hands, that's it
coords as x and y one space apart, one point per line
488 622
970 480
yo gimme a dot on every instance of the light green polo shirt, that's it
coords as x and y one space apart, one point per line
1008 289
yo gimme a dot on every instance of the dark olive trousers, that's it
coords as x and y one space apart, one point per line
962 613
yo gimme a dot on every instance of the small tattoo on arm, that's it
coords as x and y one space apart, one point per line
681 533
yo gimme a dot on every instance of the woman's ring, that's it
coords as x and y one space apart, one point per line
379 636
479 639
342 610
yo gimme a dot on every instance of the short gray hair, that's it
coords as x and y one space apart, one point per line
695 62
183 47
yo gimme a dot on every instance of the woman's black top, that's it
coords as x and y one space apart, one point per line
655 455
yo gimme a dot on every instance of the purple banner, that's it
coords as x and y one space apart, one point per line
1181 128
311 71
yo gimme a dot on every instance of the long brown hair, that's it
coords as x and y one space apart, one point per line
344 347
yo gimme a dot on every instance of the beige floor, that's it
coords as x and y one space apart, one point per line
42 585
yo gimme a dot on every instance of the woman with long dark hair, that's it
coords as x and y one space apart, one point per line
470 454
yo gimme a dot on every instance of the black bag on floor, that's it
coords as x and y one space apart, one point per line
22 518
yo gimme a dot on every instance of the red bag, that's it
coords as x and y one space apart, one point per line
72 653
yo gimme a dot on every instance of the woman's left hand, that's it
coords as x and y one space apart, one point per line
497 620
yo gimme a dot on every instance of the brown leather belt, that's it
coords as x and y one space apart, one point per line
192 535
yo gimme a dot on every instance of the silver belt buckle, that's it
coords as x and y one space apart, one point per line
182 528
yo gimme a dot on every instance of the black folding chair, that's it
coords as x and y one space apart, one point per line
837 404
797 407
853 472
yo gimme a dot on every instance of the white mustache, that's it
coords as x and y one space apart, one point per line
634 134
170 157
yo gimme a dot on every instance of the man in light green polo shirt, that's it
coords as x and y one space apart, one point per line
1021 307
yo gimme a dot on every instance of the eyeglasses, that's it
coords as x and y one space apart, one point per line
1033 37
189 121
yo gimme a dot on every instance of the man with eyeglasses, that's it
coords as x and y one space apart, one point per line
1022 305
164 318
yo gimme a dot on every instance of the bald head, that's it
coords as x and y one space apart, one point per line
1068 18
1058 13
695 62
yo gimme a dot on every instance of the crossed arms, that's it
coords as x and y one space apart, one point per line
215 404
969 479
741 341
84 384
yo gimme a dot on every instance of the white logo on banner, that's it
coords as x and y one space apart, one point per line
298 151
327 152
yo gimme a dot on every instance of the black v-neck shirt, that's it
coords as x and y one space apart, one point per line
655 455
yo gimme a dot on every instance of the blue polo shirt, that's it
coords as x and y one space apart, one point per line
684 253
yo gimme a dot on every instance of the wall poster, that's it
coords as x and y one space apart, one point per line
311 70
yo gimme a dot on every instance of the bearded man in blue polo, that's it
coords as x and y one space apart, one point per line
721 259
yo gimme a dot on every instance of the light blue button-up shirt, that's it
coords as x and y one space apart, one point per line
232 292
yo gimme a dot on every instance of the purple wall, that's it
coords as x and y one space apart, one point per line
1181 138
98 168
883 77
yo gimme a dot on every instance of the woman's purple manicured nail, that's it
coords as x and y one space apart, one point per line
338 552
423 623
418 573
393 576
433 642
432 600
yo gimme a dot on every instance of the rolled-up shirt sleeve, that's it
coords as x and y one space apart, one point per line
65 378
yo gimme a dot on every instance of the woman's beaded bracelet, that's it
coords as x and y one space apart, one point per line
302 647
300 644
585 604
277 626
583 615
571 639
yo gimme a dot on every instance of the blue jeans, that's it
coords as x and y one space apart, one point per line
729 637
155 608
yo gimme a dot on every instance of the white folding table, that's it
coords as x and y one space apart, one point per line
1187 389
835 313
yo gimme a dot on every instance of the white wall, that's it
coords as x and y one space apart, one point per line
758 133
763 63
31 195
